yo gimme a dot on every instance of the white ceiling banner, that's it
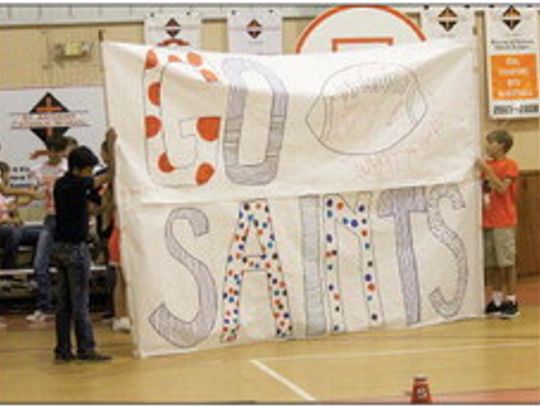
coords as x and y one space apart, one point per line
178 30
28 117
255 31
266 197
512 62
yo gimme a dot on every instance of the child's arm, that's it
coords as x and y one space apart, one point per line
38 153
499 185
9 191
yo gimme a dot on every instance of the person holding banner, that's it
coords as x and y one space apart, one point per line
499 222
72 256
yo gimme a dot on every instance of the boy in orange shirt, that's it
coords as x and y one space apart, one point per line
499 222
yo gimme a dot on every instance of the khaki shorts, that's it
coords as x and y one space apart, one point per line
499 247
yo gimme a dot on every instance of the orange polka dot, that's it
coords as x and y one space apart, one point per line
204 173
152 125
339 205
164 163
208 75
194 59
151 60
208 128
336 297
154 93
371 287
174 58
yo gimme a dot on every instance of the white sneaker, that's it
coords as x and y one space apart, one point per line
3 323
39 316
121 324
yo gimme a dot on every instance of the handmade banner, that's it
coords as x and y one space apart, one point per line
512 62
291 196
178 30
29 116
255 31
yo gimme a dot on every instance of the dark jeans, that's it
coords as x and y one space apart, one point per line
10 238
41 264
73 263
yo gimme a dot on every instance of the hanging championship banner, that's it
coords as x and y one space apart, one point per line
181 29
256 31
453 23
512 62
29 116
279 197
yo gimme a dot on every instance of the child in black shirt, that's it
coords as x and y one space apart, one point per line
72 255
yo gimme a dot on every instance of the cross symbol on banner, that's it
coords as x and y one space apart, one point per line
49 108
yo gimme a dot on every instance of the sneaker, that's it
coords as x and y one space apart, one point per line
64 358
121 324
3 323
509 310
39 316
492 309
93 357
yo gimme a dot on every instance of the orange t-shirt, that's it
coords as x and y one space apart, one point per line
500 210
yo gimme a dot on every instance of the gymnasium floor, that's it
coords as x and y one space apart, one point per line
476 361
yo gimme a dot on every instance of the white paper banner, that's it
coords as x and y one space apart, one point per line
237 187
256 31
180 29
29 116
512 61
453 23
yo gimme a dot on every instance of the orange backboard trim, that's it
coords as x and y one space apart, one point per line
336 42
319 19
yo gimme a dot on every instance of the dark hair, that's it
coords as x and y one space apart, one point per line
56 143
4 167
502 137
81 157
72 141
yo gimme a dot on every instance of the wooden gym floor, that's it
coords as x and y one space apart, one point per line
475 361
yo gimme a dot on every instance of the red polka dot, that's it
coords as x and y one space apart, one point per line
260 232
208 128
208 75
154 93
164 163
151 60
204 173
174 58
371 287
336 297
194 59
152 125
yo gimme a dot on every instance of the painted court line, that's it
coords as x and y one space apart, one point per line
400 352
283 380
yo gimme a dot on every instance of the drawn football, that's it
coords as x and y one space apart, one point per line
381 103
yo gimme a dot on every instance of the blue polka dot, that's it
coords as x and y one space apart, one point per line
272 237
224 295
361 208
270 245
329 267
236 311
231 299
276 292
328 213
250 217
369 297
265 225
240 247
345 221
367 246
329 203
330 287
229 259
226 321
354 223
367 277
329 238
241 226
